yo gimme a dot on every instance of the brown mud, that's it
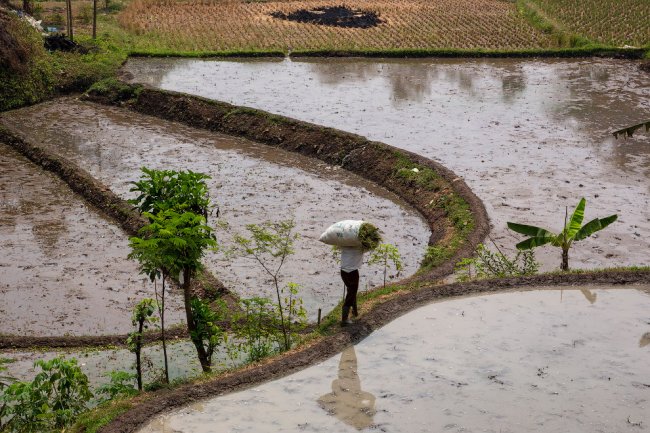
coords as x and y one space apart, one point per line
148 406
64 269
111 207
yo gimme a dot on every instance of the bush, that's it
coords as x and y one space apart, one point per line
53 400
488 264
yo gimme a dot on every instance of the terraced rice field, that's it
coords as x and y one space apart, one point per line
419 24
615 22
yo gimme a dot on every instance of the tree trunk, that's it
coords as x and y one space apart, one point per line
162 327
27 7
565 259
138 349
287 345
191 327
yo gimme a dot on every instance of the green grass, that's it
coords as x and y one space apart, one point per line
48 74
93 420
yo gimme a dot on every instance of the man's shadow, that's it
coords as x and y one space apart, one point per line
347 401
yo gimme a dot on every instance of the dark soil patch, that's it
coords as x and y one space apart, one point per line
338 16
62 43
381 314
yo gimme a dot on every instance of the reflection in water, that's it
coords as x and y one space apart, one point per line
513 84
645 340
591 297
347 401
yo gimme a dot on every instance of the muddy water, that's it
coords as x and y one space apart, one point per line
250 182
63 268
540 361
529 136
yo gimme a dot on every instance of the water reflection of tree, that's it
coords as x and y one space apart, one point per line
347 401
645 340
591 297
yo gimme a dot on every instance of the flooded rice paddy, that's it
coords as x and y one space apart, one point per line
529 136
250 182
555 360
63 267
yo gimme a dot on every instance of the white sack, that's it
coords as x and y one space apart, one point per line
343 234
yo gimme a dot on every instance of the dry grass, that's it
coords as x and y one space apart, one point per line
615 22
409 24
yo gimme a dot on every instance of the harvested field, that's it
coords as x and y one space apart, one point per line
615 22
234 25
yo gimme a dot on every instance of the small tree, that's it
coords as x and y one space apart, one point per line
181 239
270 244
573 231
142 317
177 206
155 264
386 255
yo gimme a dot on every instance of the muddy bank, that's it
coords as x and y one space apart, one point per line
64 269
250 182
471 364
528 136
323 349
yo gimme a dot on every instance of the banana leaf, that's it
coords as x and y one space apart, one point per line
593 226
575 222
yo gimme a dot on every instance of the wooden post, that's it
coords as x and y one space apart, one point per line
319 311
68 5
94 19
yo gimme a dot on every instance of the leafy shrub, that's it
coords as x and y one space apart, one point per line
51 401
489 264
121 384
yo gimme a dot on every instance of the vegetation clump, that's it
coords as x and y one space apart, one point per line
369 236
489 264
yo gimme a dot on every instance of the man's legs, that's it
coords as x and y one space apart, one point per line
351 280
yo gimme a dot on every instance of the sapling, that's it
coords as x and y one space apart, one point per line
181 240
142 317
270 244
573 231
163 191
386 255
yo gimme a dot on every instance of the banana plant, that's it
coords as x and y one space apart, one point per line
573 231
